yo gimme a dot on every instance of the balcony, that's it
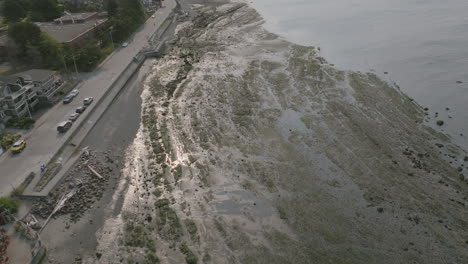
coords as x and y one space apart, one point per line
33 103
31 95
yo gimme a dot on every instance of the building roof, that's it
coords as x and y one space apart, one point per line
36 75
10 79
75 17
68 32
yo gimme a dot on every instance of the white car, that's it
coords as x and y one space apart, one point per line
125 44
88 100
74 93
73 117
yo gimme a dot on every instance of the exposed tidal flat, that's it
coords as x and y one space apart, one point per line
253 149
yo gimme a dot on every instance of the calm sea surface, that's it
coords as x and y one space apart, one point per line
422 44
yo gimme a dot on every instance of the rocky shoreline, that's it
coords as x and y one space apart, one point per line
252 149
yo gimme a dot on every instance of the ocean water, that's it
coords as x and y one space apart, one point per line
421 44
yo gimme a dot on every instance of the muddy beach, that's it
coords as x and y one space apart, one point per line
252 149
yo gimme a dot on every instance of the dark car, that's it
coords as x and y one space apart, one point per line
80 109
67 99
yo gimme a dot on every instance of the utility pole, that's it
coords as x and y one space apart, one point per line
76 69
64 63
110 32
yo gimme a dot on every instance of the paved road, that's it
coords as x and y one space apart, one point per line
44 141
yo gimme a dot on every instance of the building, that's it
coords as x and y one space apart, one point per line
17 97
74 29
46 82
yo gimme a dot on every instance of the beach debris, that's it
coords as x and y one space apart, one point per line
88 176
95 172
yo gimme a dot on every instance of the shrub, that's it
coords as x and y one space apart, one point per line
21 122
7 139
9 204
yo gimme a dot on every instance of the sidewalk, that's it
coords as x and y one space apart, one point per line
44 142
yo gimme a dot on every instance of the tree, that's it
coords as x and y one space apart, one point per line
134 9
112 8
130 15
45 10
50 50
13 10
88 57
24 34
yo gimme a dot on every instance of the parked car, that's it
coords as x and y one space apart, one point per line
67 99
63 127
19 146
80 109
74 93
125 44
73 116
88 100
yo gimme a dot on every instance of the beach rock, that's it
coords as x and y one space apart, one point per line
440 122
380 210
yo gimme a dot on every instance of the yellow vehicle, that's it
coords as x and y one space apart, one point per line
19 146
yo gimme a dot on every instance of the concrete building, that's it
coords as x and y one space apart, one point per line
74 29
46 83
17 97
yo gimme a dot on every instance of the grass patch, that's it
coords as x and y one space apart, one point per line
191 228
190 257
168 222
20 189
151 258
51 169
138 236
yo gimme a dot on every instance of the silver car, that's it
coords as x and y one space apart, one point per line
74 93
73 116
88 100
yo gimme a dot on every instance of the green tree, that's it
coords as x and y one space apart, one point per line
130 15
111 7
13 10
24 34
45 10
50 50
